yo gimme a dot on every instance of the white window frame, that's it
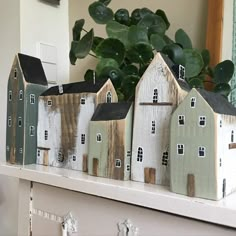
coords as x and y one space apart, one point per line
201 149
179 147
82 138
49 102
32 98
109 97
194 100
118 161
21 95
31 130
99 137
82 101
140 154
181 69
10 95
9 121
181 118
202 118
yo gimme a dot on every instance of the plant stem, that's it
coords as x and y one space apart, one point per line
84 30
92 55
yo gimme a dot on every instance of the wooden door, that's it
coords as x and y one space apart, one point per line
150 175
191 185
95 166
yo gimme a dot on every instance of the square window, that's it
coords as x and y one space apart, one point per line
118 163
49 103
180 149
202 121
201 152
181 119
82 101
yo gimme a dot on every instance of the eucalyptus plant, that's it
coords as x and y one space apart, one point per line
131 43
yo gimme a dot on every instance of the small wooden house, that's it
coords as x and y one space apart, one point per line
110 141
64 115
26 82
159 91
203 146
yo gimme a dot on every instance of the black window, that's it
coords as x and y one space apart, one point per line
32 99
60 157
82 101
32 130
9 121
38 153
193 102
140 155
99 138
109 97
46 134
202 121
82 138
180 149
232 136
49 102
15 73
21 95
10 96
155 96
201 151
153 127
118 163
128 154
19 121
74 158
165 159
181 72
181 120
127 167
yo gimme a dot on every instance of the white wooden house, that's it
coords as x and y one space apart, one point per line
203 146
64 115
159 91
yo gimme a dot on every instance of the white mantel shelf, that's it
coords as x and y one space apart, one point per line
152 196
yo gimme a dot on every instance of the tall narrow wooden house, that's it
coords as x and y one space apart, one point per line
159 91
64 115
110 141
26 82
203 146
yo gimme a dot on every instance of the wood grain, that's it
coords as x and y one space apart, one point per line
85 163
95 166
191 185
150 175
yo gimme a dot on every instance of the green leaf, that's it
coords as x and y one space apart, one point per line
118 31
157 42
206 57
144 11
128 85
78 26
162 14
194 63
142 69
130 70
100 13
183 39
175 53
72 54
140 53
96 41
223 88
111 48
122 16
135 16
105 2
106 62
82 48
223 71
137 34
90 75
196 83
167 39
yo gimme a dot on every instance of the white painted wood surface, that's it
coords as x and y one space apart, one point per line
151 196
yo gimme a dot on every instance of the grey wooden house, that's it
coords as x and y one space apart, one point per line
203 146
110 132
26 82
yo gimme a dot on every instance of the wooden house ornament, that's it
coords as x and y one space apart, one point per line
110 141
203 146
26 82
64 115
159 91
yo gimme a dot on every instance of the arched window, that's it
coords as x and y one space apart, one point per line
109 97
140 155
155 96
99 138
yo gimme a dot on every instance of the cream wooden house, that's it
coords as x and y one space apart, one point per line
159 91
64 115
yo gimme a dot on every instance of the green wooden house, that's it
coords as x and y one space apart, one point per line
110 132
203 146
26 82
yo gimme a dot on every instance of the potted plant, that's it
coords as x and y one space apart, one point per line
131 43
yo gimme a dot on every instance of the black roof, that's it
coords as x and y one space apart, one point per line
218 103
32 69
111 111
182 83
77 87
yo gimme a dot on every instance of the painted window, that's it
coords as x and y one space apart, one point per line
140 155
21 150
155 96
82 101
181 72
232 136
109 97
118 163
202 121
128 167
99 138
32 130
21 95
82 138
15 73
49 102
220 123
193 102
128 154
153 127
8 148
180 149
19 121
60 157
165 159
181 119
201 152
38 153
74 157
32 99
9 121
220 162
10 96
46 134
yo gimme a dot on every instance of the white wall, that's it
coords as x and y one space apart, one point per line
192 17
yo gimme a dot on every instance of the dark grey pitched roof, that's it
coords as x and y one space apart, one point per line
182 83
218 103
32 69
111 111
77 87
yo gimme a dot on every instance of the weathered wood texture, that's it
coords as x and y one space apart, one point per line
232 145
150 175
191 185
85 163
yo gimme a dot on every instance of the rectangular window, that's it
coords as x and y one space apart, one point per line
155 96
153 127
8 148
181 72
128 167
118 163
181 120
32 99
74 158
10 96
201 152
49 103
82 138
193 102
165 159
129 154
19 121
220 162
21 95
9 121
180 149
202 121
60 157
99 138
31 130
15 73
140 155
21 150
82 101
46 134
38 153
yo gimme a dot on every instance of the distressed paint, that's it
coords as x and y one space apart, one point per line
157 76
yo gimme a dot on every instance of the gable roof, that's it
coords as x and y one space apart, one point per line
182 83
32 69
111 111
218 103
77 87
